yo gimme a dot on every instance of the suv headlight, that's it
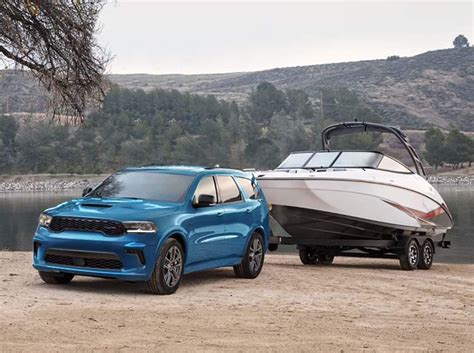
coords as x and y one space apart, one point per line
140 227
44 220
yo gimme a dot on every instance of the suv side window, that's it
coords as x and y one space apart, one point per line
249 188
228 189
206 186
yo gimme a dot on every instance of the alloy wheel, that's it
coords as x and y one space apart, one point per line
413 254
172 266
427 255
255 254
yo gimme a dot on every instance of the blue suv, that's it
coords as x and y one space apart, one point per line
154 224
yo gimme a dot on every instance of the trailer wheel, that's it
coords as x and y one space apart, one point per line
272 247
426 255
411 256
308 256
326 259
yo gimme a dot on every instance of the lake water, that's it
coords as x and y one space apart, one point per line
19 214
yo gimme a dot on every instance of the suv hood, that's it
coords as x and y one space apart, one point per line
120 209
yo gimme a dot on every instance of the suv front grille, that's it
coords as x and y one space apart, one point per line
59 224
83 259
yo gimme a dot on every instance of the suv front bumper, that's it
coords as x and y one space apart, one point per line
129 257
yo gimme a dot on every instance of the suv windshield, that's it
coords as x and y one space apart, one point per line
145 185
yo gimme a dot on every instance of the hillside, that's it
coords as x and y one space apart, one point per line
436 87
20 93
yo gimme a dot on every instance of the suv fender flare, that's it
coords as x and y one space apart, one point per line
260 230
178 234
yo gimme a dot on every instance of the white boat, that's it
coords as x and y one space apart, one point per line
356 203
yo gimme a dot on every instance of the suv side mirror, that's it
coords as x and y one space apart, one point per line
205 200
86 191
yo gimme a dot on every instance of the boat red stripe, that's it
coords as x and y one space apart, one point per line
429 215
419 214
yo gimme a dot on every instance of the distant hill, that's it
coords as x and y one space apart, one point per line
434 88
19 93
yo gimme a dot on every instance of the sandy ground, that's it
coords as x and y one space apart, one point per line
354 305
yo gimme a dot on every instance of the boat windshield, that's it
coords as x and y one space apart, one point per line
358 159
295 160
322 160
336 159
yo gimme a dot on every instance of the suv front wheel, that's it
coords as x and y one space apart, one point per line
168 272
56 278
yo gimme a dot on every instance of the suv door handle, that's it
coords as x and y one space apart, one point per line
248 210
220 214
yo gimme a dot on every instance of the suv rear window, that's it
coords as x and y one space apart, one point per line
229 191
249 188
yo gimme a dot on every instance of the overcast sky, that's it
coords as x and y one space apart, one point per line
208 37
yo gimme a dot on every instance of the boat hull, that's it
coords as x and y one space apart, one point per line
313 227
338 211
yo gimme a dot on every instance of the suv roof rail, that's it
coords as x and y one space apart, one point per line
216 166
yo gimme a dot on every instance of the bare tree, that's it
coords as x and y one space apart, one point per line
55 40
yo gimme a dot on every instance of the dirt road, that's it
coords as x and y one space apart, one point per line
353 305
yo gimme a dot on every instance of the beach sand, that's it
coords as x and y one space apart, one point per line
353 305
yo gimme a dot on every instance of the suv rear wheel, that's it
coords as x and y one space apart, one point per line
252 262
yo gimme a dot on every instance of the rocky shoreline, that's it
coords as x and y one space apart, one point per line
60 182
451 179
47 183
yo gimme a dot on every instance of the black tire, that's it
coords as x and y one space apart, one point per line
411 255
252 261
56 278
304 256
326 259
168 271
308 256
272 247
426 255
